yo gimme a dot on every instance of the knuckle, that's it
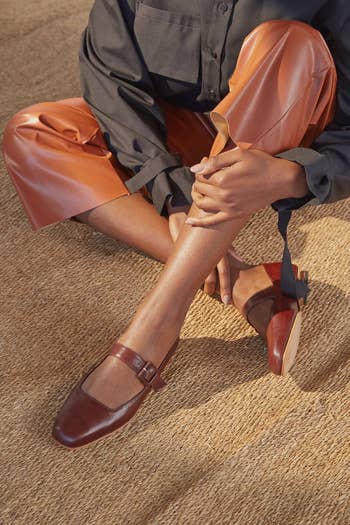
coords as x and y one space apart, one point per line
194 193
226 196
220 179
223 271
231 201
213 163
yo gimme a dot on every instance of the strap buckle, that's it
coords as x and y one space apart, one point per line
149 375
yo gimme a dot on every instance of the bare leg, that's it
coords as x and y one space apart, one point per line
160 316
135 221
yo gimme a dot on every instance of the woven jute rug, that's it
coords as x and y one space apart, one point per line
227 442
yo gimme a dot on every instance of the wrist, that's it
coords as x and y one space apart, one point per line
292 180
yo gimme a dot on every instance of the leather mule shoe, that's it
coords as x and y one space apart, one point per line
275 316
83 419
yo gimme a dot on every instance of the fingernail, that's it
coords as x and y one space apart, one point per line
189 221
227 299
198 167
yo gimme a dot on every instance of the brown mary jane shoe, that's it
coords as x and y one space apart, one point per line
274 315
83 419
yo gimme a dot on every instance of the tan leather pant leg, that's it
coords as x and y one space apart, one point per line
58 161
282 91
189 133
281 96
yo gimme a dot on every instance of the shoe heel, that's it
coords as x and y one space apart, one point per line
304 276
292 345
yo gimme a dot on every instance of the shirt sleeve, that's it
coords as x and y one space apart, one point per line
327 161
117 86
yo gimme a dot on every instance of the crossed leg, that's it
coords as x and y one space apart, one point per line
160 316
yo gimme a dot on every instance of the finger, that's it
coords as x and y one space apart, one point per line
223 269
210 282
211 220
202 186
206 203
216 162
216 178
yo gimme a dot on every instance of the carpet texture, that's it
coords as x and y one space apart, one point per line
227 442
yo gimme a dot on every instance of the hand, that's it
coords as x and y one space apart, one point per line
226 269
237 183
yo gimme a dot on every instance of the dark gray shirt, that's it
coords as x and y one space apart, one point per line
184 51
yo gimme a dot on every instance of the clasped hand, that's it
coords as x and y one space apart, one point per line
237 183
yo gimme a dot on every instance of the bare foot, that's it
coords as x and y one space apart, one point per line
113 383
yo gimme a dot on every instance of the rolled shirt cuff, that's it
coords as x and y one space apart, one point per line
181 181
317 178
164 175
176 182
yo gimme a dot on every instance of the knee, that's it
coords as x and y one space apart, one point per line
294 32
301 39
29 116
69 119
304 36
21 126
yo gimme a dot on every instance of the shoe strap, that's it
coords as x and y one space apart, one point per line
274 292
145 371
258 297
290 285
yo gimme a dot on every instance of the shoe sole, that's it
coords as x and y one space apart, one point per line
105 437
291 348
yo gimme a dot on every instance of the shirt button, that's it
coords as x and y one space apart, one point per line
223 7
212 52
211 93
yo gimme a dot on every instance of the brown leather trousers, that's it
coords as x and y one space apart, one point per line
281 95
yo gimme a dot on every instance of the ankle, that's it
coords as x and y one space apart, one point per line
153 326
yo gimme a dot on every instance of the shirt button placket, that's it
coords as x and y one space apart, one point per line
213 54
